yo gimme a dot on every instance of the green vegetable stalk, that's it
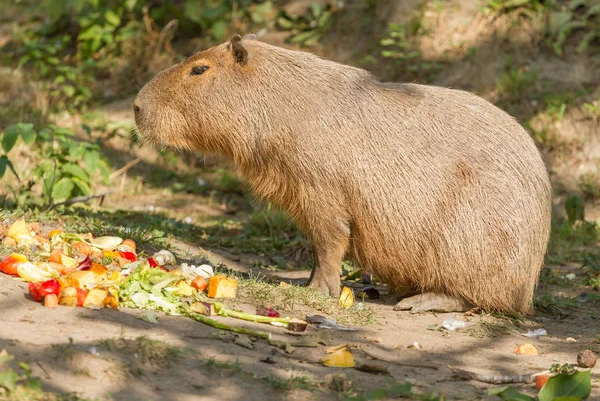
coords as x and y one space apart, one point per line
223 311
223 326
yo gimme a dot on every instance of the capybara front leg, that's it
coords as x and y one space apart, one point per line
433 302
325 275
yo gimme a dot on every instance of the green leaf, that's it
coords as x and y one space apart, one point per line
387 42
193 11
75 171
11 134
130 4
312 40
4 162
68 90
8 380
574 208
578 384
112 18
27 133
212 13
587 39
218 30
62 189
83 186
509 394
91 158
557 20
315 9
302 37
285 23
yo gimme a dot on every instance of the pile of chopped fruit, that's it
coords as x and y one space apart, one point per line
80 270
99 272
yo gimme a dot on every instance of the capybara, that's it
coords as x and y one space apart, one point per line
435 191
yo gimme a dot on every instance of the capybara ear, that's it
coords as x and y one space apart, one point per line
250 36
239 51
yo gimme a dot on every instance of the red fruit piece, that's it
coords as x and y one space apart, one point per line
152 262
263 311
130 256
11 262
81 294
39 290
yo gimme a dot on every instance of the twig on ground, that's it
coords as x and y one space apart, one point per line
467 375
78 199
411 365
125 168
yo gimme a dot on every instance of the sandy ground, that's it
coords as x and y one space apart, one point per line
105 361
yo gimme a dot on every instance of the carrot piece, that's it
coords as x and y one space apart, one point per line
199 283
51 301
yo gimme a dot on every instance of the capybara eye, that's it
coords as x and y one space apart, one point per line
199 69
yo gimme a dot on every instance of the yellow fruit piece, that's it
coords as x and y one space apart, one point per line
184 289
220 286
112 299
68 262
347 298
116 277
47 267
107 242
100 271
31 273
18 230
342 358
525 349
95 298
81 279
68 297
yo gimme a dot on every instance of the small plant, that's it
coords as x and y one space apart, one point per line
309 28
217 17
581 15
504 6
397 45
562 369
515 80
67 85
574 208
594 109
19 383
589 185
67 166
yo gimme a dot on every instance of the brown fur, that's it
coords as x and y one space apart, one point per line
428 188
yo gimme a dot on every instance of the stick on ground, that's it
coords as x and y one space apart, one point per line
467 375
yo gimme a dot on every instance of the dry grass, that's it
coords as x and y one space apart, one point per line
299 301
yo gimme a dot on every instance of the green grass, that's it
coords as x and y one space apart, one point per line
148 351
296 381
18 384
574 242
298 300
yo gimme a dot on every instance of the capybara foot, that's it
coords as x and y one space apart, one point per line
432 302
330 285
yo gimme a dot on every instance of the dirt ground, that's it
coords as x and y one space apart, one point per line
111 355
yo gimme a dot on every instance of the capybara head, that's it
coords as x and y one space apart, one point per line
198 103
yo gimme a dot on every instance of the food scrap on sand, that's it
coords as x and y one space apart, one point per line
80 270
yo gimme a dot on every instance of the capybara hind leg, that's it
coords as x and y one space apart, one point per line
433 302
